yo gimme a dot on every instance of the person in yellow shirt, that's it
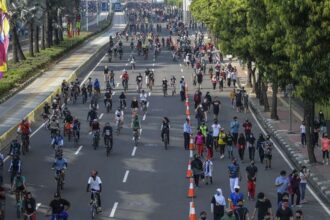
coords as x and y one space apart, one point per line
222 142
232 96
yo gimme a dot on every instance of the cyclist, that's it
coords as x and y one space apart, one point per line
65 111
15 148
94 102
108 98
165 128
94 184
24 130
97 86
122 99
18 185
76 127
46 112
124 78
134 105
107 133
60 164
92 114
14 167
57 140
164 86
29 206
112 78
146 73
139 82
90 86
143 98
58 208
136 124
119 116
173 83
68 122
95 126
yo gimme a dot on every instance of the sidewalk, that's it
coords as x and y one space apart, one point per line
290 143
29 101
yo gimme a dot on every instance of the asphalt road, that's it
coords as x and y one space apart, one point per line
147 181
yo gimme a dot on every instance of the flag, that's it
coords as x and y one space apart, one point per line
4 36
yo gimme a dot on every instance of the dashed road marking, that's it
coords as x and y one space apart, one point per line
113 211
78 150
125 176
101 116
134 151
144 117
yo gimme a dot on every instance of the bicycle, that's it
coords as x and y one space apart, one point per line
94 204
119 126
59 181
108 144
108 105
75 137
144 107
125 85
68 131
19 203
136 137
96 139
25 143
29 216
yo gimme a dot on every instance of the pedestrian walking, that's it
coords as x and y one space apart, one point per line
222 142
230 147
186 133
238 98
284 212
304 174
216 108
245 102
232 96
234 77
199 115
282 184
262 208
208 171
260 148
182 89
218 204
205 106
234 127
241 143
235 197
241 212
251 176
325 143
294 188
197 98
250 145
199 141
209 144
197 169
229 215
214 81
247 125
268 149
303 133
216 130
234 175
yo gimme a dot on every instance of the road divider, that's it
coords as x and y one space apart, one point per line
191 190
192 211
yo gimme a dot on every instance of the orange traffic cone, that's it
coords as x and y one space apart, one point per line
189 171
192 213
191 190
191 144
187 112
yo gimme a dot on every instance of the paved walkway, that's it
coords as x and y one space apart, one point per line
23 103
290 143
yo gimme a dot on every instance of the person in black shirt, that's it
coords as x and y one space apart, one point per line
284 212
251 175
241 212
263 207
58 208
197 168
29 205
216 108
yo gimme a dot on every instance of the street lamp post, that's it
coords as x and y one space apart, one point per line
289 89
86 15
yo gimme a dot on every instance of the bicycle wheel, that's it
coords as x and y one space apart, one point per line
93 211
18 210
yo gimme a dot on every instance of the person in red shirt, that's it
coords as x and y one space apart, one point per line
247 127
325 143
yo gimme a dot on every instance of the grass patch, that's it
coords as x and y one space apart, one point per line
19 73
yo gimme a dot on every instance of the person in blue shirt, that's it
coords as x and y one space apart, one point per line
60 165
15 148
57 140
234 127
282 184
97 86
235 197
186 133
234 175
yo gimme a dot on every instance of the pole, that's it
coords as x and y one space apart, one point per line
97 12
86 15
290 114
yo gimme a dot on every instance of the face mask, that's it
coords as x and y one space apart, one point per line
218 193
237 190
203 218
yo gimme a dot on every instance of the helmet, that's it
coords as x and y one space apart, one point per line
95 120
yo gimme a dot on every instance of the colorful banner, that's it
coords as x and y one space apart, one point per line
4 36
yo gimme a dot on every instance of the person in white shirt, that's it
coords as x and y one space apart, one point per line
94 184
143 98
216 130
119 116
303 133
218 204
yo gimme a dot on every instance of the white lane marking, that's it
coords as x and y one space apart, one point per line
6 158
125 176
113 211
147 104
78 150
117 84
289 164
149 93
43 124
180 65
181 70
114 93
92 70
101 116
153 64
126 64
140 131
38 205
144 117
134 151
90 133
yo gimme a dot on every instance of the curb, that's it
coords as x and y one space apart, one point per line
36 113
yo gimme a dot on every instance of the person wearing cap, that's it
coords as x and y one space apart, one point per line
222 138
234 174
235 197
325 146
58 208
186 133
218 204
208 170
234 127
229 215
241 212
